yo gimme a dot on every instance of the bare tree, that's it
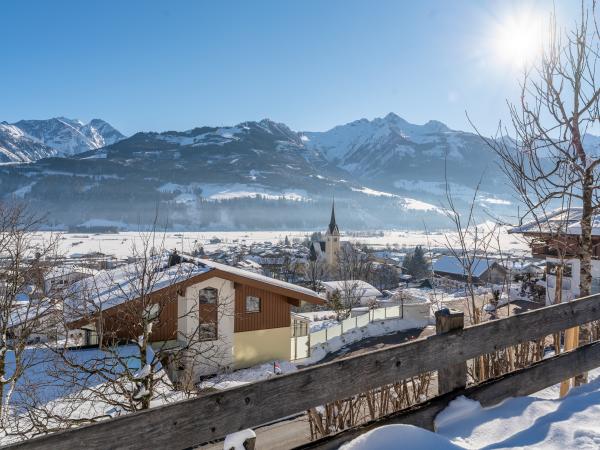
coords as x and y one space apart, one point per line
140 328
548 159
314 272
25 314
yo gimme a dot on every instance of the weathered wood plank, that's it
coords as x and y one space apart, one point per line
455 375
521 382
202 419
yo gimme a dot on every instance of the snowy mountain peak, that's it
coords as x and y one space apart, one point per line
64 136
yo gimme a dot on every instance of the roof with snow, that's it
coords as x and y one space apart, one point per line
110 288
560 221
358 286
452 265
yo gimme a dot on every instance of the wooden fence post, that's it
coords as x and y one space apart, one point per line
454 376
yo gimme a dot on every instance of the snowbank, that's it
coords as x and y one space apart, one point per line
538 421
393 437
245 376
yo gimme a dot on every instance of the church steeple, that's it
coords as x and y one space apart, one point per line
333 228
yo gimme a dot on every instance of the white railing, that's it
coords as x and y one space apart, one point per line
410 311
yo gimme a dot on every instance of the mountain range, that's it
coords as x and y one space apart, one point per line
384 173
30 140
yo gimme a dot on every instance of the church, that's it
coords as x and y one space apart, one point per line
328 249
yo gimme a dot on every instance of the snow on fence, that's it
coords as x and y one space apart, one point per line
418 311
212 416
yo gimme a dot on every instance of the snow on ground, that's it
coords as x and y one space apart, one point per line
393 437
245 376
538 421
236 440
119 244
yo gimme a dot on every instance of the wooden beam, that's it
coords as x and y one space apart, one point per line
455 375
538 376
203 419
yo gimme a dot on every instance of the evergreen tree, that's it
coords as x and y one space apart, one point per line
416 264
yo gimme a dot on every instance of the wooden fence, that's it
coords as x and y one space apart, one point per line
209 417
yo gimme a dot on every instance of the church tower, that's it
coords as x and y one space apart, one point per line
332 239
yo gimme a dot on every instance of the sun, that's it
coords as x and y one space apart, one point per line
518 39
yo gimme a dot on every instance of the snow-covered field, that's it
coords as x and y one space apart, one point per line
538 421
120 244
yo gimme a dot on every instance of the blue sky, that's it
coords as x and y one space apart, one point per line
149 65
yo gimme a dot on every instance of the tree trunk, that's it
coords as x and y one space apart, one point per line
585 283
585 275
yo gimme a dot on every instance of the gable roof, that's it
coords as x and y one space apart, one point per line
357 286
110 288
454 266
559 221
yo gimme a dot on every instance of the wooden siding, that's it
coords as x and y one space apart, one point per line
122 322
274 310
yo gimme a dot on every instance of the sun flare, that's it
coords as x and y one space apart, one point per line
518 39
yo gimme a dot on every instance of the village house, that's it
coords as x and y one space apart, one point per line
556 240
483 270
229 318
352 292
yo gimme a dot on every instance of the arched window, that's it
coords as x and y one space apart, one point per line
208 296
208 308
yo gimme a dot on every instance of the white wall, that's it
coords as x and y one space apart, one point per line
570 285
205 358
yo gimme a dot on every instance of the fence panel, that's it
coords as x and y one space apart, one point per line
378 314
393 312
318 337
349 324
334 331
362 321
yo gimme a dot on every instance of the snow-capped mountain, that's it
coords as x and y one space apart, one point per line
29 140
17 146
385 172
391 145
392 154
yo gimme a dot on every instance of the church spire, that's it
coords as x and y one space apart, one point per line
333 228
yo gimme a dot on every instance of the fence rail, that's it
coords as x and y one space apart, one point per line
195 421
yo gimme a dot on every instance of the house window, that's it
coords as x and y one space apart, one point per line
552 266
252 304
208 309
208 296
208 331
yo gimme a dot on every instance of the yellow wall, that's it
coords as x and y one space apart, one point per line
255 347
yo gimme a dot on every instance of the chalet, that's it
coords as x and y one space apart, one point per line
556 240
483 270
227 317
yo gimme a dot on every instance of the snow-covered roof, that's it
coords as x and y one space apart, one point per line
560 221
110 288
358 286
63 271
260 278
452 265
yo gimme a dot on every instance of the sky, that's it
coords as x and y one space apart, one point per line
312 64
